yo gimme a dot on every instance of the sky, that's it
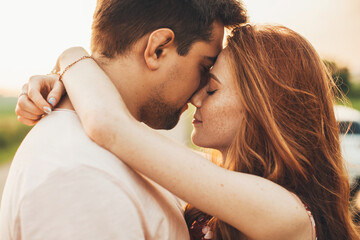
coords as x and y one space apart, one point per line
33 33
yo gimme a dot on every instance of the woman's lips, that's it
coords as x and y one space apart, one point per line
196 121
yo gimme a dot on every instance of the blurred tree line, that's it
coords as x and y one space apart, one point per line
342 78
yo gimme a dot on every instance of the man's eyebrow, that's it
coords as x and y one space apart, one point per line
214 77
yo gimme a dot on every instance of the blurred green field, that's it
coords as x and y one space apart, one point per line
11 131
354 95
355 102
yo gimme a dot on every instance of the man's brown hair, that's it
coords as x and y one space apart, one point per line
118 24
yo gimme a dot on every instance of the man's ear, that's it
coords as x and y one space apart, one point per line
157 45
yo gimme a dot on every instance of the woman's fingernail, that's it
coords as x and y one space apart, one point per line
208 235
52 101
205 229
47 110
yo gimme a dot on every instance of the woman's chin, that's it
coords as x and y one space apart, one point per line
195 140
200 141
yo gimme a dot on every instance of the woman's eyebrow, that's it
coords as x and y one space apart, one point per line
214 77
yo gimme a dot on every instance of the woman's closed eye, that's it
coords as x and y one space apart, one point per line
210 92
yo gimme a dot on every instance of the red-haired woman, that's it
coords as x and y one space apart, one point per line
268 109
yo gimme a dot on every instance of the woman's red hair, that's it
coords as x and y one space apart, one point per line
289 134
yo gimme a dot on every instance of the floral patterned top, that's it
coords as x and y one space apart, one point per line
199 229
314 232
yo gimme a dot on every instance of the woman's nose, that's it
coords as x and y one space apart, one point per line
197 98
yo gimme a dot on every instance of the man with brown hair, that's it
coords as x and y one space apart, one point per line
63 186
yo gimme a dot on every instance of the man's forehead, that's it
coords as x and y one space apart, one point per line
217 46
213 50
216 43
208 50
218 34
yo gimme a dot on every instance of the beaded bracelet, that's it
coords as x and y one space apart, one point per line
72 64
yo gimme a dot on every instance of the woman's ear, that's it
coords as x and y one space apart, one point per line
157 46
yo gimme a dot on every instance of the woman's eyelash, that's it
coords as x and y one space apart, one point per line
210 92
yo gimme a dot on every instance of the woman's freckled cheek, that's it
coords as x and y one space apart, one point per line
221 113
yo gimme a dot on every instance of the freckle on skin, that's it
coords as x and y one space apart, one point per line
221 185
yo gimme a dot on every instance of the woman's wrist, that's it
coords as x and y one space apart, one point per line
69 56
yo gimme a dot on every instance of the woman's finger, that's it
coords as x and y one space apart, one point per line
24 89
37 85
56 93
28 115
26 121
25 104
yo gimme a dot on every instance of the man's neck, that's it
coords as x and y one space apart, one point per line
125 76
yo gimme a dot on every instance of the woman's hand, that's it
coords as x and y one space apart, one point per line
43 92
39 96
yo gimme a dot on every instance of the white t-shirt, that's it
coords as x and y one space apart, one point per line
61 185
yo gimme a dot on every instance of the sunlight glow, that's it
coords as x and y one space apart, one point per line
34 33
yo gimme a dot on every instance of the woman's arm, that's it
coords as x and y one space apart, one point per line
257 207
43 92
